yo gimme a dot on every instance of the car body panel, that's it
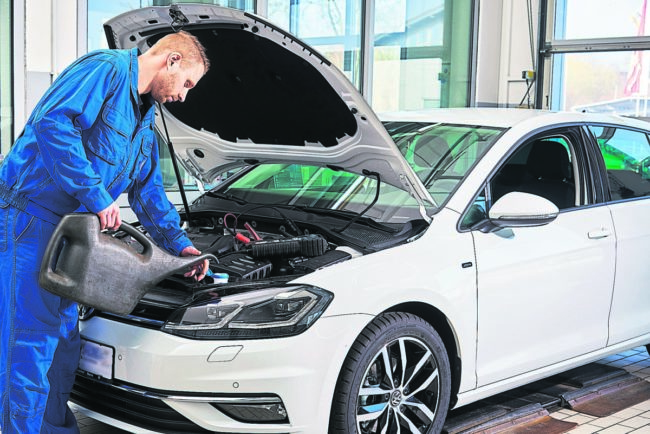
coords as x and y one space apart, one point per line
531 285
629 314
546 371
154 361
442 278
486 285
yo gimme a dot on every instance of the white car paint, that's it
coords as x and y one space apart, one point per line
518 314
521 303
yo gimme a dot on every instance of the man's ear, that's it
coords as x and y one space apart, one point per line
174 58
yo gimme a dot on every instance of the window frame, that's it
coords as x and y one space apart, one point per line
597 154
580 152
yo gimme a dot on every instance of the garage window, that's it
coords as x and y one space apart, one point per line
627 159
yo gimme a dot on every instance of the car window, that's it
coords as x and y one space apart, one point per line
441 154
544 166
627 159
321 187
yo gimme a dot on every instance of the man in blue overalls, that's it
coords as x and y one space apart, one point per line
88 140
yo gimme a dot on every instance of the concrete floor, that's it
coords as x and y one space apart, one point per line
635 419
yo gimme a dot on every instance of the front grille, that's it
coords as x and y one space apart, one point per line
145 412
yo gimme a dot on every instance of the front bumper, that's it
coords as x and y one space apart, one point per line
155 372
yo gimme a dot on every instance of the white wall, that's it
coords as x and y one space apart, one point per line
504 51
47 45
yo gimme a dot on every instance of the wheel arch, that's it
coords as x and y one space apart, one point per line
440 323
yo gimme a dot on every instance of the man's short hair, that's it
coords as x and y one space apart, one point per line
186 44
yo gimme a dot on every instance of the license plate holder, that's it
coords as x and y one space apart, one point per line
96 359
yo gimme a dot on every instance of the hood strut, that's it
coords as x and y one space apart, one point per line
177 172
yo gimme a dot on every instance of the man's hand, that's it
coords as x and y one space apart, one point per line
198 270
109 218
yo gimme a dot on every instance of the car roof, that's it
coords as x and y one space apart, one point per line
507 117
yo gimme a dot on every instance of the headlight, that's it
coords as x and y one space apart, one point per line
268 313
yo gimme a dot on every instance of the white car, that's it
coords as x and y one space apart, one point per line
372 275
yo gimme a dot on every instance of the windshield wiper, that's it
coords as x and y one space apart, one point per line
339 213
227 196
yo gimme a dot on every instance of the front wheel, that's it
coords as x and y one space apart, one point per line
395 379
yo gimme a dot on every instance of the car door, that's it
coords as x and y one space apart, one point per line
544 292
626 154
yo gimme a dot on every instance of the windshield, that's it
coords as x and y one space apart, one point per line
302 185
441 154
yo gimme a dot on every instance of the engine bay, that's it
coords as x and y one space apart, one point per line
258 244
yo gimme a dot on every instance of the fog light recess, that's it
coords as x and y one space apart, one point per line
271 412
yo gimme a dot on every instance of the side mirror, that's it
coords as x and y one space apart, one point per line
517 209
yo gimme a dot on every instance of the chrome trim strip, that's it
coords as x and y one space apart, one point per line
198 399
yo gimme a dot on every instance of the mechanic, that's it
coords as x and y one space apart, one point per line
89 139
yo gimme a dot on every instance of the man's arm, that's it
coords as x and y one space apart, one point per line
157 214
154 210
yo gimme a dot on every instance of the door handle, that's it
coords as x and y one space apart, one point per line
599 233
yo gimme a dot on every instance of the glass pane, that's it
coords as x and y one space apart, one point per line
627 159
441 155
6 81
541 167
578 82
414 44
99 11
588 19
332 27
167 168
324 188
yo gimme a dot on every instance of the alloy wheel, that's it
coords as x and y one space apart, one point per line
400 389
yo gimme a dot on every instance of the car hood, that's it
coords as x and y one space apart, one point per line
268 97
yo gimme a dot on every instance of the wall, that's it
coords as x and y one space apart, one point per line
49 44
504 51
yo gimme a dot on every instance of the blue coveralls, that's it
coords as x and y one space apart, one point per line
85 143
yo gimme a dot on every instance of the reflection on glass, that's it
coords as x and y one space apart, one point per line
300 185
627 159
6 82
589 19
414 44
441 155
332 27
579 82
100 11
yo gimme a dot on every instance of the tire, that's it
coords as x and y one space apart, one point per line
417 359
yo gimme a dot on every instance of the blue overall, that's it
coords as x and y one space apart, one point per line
85 143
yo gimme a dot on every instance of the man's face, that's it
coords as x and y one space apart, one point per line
173 83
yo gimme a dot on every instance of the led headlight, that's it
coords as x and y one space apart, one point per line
268 313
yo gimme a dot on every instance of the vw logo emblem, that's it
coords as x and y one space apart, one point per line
395 398
85 312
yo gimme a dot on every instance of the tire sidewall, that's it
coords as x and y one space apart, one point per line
405 325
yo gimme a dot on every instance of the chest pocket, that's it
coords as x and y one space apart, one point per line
111 136
147 141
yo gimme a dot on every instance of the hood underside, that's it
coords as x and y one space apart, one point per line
267 97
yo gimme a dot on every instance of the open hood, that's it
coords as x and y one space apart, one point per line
268 97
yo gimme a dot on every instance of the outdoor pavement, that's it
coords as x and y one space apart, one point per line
634 419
